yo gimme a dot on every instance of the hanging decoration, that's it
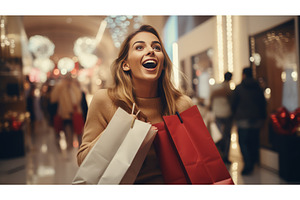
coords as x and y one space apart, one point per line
84 47
41 46
44 64
87 60
119 26
65 65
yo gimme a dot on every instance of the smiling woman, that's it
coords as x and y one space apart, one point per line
145 64
142 76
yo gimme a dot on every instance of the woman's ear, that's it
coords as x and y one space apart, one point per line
125 67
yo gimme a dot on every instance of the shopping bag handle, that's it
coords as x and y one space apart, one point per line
178 115
134 116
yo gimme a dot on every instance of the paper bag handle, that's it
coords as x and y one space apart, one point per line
178 115
134 116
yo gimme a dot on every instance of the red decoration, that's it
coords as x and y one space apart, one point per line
295 120
285 122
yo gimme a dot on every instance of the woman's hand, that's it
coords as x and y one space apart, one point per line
154 128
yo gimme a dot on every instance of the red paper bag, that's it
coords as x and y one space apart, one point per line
170 163
186 151
57 123
78 122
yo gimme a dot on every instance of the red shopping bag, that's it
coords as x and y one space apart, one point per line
78 122
186 151
57 123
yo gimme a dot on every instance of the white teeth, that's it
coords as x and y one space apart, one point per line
150 61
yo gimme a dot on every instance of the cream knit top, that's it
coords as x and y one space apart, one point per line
100 112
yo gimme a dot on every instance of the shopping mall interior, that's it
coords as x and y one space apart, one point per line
39 50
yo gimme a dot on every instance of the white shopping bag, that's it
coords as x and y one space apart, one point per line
209 117
126 153
139 158
215 132
118 145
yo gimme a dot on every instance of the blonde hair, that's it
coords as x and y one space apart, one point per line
123 94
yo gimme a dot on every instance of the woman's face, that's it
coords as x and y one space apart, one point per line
145 58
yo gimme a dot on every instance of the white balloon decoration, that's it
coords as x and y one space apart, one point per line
84 45
87 60
41 46
66 64
44 64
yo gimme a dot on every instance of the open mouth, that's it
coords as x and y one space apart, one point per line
150 64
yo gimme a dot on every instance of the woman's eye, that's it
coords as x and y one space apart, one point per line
139 47
157 48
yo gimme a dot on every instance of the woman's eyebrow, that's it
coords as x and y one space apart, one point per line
154 42
138 42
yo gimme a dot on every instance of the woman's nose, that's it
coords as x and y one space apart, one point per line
150 51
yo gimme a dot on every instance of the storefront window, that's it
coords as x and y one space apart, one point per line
277 71
202 73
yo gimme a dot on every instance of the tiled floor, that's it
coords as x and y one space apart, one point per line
45 164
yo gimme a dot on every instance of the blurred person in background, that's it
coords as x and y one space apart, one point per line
84 109
83 103
84 106
249 109
30 99
221 107
45 102
68 96
30 108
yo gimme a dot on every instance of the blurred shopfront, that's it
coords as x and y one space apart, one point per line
14 119
276 63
